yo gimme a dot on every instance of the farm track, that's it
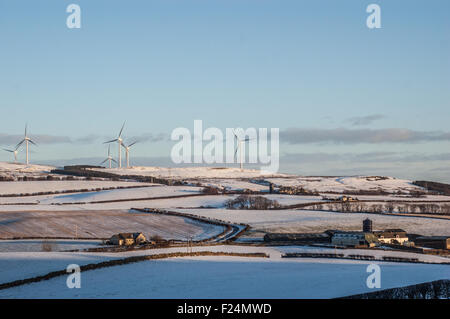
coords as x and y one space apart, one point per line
231 232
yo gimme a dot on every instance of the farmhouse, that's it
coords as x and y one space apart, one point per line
127 239
346 198
392 236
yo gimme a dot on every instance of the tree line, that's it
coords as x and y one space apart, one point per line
389 207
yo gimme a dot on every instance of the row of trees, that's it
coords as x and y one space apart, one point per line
252 202
389 207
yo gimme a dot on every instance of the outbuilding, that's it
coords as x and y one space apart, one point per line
349 238
303 238
438 242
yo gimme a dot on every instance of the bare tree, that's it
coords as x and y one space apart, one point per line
48 246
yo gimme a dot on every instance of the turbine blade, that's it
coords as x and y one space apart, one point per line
115 140
20 143
112 159
103 161
132 144
236 136
5 149
235 152
120 133
31 141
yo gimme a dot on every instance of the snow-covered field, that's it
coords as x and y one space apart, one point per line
100 224
348 184
33 187
143 191
222 176
96 214
51 202
21 265
377 253
225 277
290 221
118 194
23 168
37 245
14 170
212 277
182 202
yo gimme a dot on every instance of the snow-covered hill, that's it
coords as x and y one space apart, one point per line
234 178
192 172
10 171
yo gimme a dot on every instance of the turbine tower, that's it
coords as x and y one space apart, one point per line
15 151
109 158
127 152
26 140
239 146
119 141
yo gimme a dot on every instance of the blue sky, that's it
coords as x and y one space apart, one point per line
311 68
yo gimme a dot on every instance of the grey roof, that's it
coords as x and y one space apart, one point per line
293 236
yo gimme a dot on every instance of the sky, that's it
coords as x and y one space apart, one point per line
347 99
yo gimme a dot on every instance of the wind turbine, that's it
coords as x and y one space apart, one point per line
15 151
119 141
26 140
239 146
127 152
109 158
